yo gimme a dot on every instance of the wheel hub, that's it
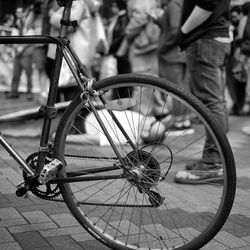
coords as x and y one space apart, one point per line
144 169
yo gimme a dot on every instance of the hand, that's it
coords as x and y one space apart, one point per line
180 36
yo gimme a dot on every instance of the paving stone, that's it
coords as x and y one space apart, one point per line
230 240
247 238
64 242
5 236
31 240
53 211
9 213
39 201
243 248
4 155
12 175
4 202
93 244
10 246
6 186
214 245
32 227
62 231
18 201
64 220
238 225
13 222
36 217
43 207
82 237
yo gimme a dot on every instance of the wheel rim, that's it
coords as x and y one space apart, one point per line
123 211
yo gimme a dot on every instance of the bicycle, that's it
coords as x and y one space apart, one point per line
123 193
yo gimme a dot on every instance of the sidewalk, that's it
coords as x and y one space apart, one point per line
37 224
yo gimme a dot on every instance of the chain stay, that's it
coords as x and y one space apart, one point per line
93 203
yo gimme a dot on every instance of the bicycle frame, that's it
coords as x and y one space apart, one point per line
79 71
49 110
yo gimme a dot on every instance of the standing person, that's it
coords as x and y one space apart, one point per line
204 34
236 82
115 35
143 60
143 55
79 12
172 61
23 57
34 21
244 51
6 51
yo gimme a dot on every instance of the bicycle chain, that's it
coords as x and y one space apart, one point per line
93 203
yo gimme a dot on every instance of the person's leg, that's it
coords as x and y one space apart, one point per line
176 73
26 62
39 59
151 102
231 84
17 71
247 97
123 67
206 58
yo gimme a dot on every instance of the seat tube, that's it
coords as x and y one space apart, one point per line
53 87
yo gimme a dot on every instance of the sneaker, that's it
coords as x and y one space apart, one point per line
179 132
203 165
177 128
12 95
181 125
199 177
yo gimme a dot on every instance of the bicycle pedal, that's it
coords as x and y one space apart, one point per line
20 185
49 171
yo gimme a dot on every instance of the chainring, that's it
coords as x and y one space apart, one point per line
47 191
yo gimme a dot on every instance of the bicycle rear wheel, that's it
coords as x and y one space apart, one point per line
127 197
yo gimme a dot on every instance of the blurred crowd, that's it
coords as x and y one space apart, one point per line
108 40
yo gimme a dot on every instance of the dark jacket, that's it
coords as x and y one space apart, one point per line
217 25
246 34
118 32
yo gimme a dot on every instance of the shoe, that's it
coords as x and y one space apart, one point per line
204 165
12 95
177 128
180 132
29 96
181 125
199 177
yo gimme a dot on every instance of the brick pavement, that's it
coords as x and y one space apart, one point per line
37 224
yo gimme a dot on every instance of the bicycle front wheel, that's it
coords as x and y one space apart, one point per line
119 181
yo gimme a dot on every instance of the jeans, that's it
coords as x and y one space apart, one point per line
177 73
206 59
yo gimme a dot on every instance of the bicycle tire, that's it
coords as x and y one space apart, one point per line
146 209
